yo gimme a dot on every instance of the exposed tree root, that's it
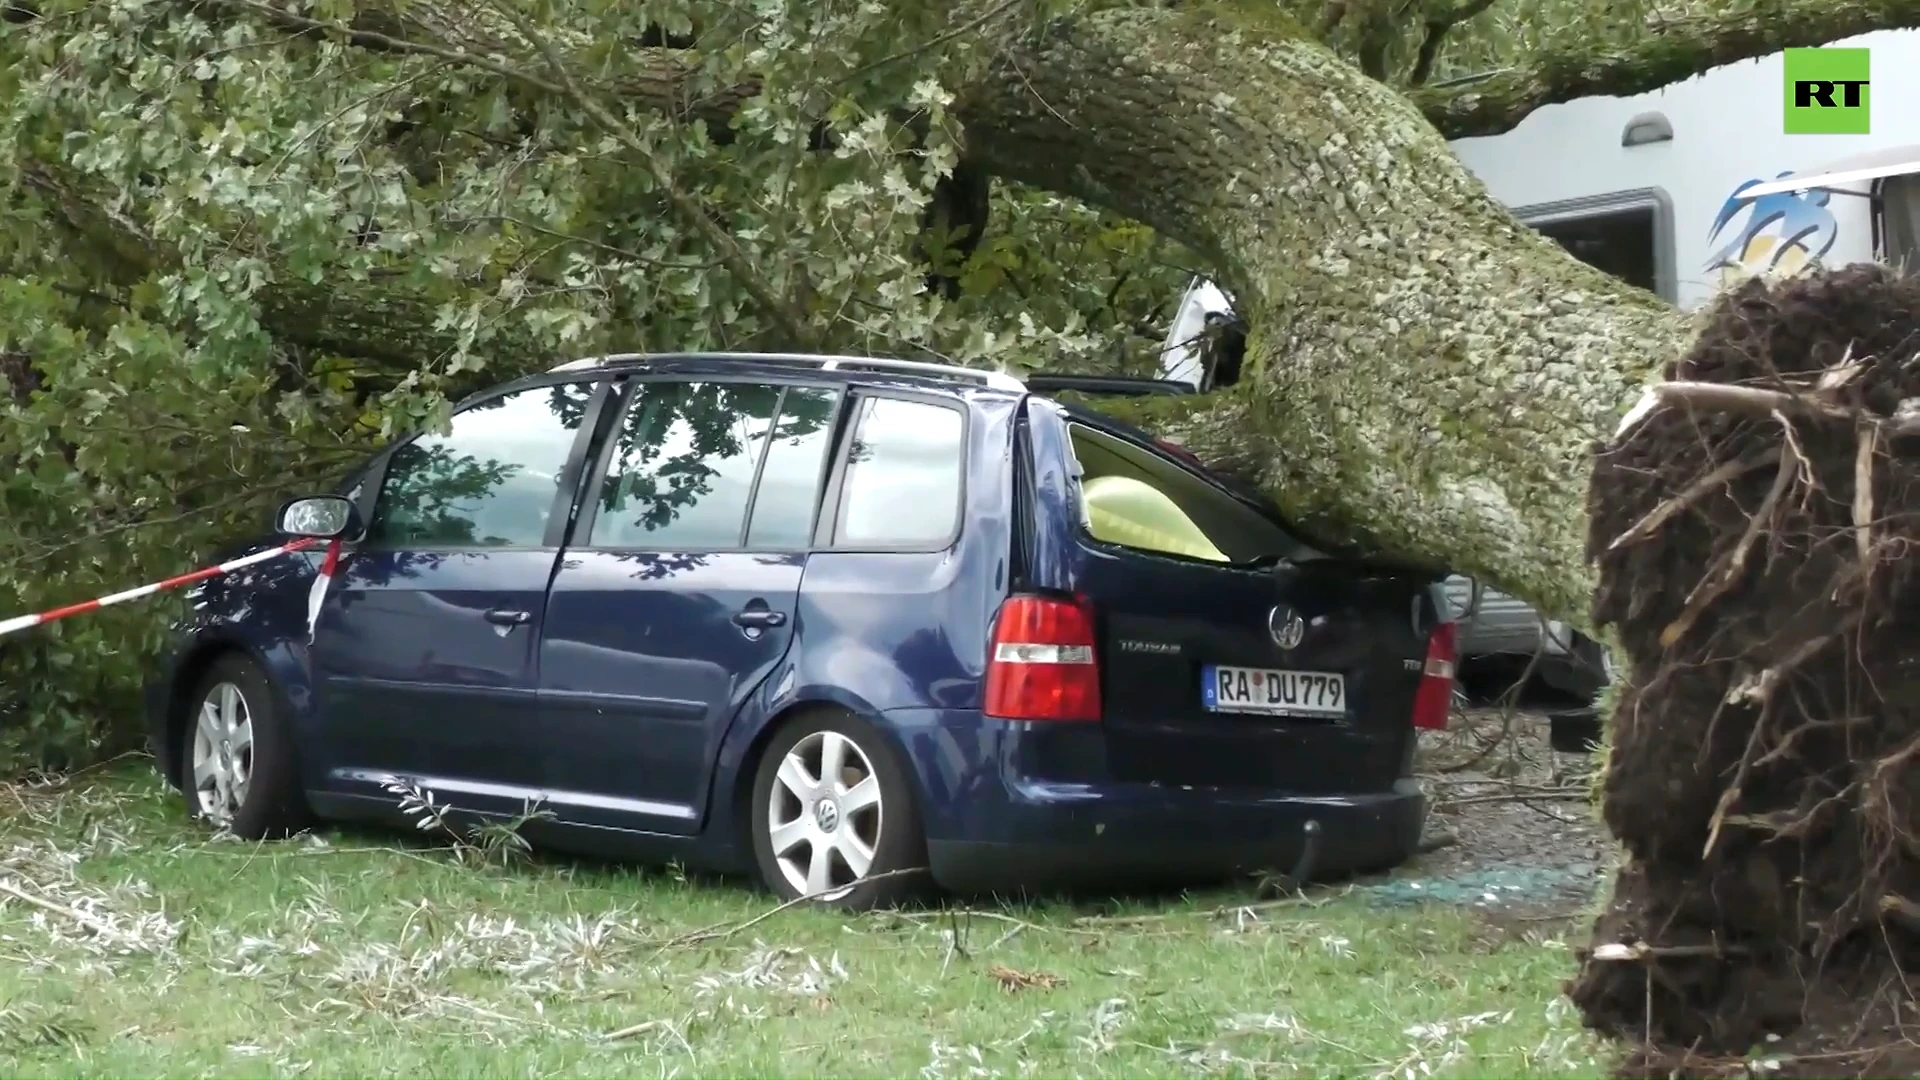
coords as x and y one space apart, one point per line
1763 776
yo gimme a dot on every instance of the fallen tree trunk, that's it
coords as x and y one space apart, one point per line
1426 375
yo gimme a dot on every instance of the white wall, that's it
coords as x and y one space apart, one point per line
1726 131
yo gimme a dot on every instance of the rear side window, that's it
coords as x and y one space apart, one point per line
903 477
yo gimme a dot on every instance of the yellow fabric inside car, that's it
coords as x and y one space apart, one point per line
1122 510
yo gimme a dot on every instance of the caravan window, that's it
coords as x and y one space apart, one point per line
1621 244
1900 222
1628 234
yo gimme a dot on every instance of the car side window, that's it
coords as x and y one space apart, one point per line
490 481
903 476
682 465
789 492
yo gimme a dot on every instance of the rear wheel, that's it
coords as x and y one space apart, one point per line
834 816
236 756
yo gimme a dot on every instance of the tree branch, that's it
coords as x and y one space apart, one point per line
1673 48
490 56
658 78
780 309
1436 32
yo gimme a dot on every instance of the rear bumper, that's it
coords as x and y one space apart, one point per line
1011 806
1059 836
1179 840
1076 836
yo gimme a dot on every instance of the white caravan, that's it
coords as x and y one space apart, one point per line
1681 191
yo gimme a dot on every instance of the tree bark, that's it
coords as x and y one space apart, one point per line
1426 375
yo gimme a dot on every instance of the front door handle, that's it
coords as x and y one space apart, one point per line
503 617
759 618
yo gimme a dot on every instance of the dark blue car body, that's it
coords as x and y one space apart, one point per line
623 692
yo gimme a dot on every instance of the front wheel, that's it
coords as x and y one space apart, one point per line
834 817
236 756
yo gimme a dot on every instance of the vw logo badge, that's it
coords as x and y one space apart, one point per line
1286 626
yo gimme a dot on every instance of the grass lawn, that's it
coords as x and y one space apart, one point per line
349 954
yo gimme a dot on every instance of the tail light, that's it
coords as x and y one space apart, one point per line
1040 663
1433 701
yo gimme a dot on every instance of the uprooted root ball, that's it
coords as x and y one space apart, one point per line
1756 544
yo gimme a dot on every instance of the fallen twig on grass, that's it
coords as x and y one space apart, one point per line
1212 913
1013 981
648 1026
278 851
1503 785
1509 709
55 783
726 930
8 888
1571 792
631 1030
1015 921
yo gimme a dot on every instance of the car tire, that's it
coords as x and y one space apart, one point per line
237 762
810 831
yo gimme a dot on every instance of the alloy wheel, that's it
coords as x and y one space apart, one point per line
824 815
222 753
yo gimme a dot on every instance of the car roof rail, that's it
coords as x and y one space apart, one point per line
996 380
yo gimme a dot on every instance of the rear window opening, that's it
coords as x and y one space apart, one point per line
1132 498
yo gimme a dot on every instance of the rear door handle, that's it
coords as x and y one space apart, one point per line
759 618
503 617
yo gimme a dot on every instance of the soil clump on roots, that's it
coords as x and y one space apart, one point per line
1755 536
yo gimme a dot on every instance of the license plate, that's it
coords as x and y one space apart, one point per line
1273 693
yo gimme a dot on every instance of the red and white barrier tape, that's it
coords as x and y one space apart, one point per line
314 597
317 595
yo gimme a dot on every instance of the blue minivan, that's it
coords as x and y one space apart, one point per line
855 625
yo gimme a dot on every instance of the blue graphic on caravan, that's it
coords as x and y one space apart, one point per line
1783 233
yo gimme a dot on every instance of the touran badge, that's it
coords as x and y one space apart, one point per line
1286 626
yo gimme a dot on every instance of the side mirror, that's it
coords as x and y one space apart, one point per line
323 517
